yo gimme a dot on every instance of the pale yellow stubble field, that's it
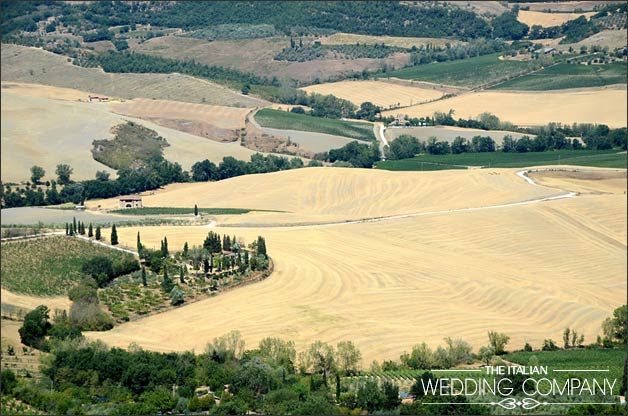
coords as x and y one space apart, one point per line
528 270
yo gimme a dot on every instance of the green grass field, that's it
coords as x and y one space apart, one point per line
564 76
48 266
597 158
573 359
577 359
180 211
470 72
284 120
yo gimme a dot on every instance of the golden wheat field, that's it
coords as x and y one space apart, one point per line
219 116
591 105
527 270
32 134
31 302
383 94
402 42
531 18
337 194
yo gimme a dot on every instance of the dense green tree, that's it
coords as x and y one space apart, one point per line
35 327
614 328
37 172
100 268
167 285
261 246
114 235
8 382
404 147
102 176
506 26
63 172
498 341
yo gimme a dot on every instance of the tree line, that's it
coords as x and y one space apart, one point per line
153 175
270 378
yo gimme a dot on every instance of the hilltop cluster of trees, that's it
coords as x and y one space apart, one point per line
429 53
353 154
298 53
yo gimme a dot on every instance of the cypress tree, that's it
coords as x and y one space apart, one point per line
139 244
211 263
90 230
185 250
114 235
144 282
82 228
181 272
164 247
206 267
98 236
261 246
195 210
167 284
246 258
67 229
74 224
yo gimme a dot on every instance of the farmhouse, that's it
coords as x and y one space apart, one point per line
131 201
95 97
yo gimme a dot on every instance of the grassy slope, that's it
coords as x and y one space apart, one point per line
284 120
599 158
564 76
48 266
465 73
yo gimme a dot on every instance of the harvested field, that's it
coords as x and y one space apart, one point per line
44 91
29 302
31 134
36 66
589 182
336 194
448 133
219 116
401 42
611 38
31 215
311 141
482 7
531 18
257 56
592 105
529 282
380 93
214 122
564 6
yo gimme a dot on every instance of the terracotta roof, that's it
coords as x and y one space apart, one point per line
131 198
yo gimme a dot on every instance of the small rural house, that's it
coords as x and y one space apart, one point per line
131 201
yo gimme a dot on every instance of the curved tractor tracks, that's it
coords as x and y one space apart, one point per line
522 174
